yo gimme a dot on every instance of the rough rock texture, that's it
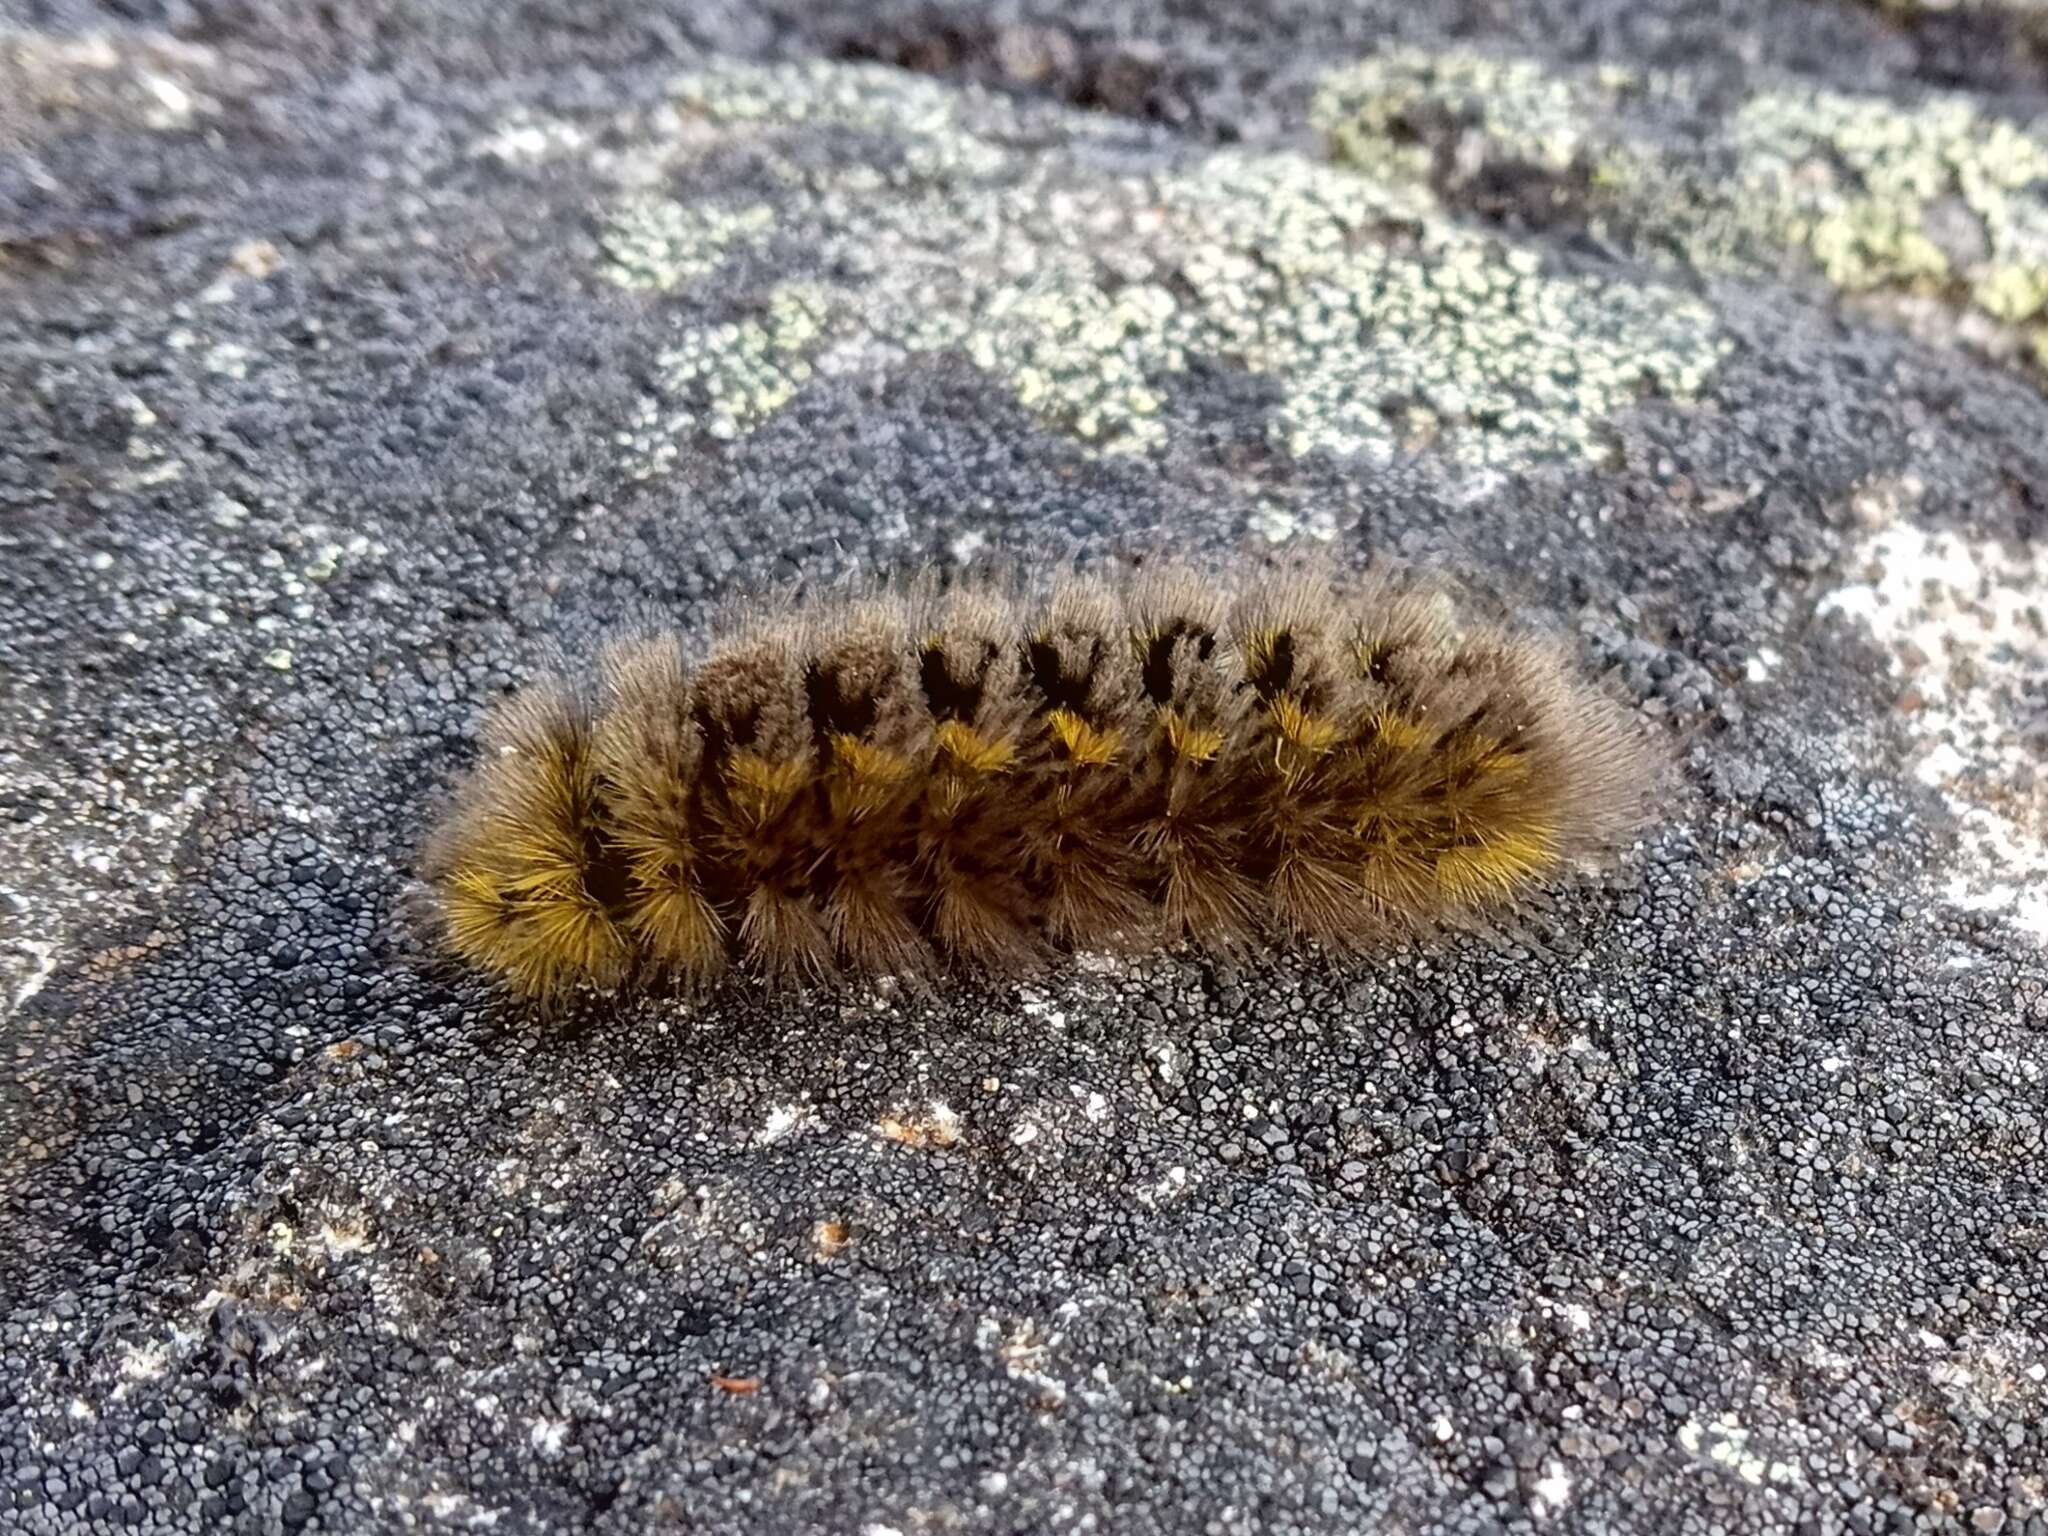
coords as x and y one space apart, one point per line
352 355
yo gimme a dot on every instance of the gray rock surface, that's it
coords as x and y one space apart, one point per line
352 355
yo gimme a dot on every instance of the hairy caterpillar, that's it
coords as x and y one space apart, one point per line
895 783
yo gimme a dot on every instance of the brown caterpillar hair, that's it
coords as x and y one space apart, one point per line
905 782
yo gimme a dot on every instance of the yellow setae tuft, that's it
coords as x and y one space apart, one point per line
1086 746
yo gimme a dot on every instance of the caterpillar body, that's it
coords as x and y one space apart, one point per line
934 778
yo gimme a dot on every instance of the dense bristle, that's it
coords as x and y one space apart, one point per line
874 747
1193 823
894 784
759 797
648 750
970 821
1073 782
530 889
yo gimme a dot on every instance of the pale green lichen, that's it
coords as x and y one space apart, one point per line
1858 180
657 243
1550 118
735 375
1932 196
940 219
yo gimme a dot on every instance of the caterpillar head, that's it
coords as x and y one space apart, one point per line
525 880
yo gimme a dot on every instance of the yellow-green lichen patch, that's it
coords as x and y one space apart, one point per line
1929 196
726 379
1867 187
1039 245
656 243
1376 111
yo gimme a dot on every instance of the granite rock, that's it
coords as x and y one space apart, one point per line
353 358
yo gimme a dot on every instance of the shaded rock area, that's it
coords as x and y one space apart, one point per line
351 357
